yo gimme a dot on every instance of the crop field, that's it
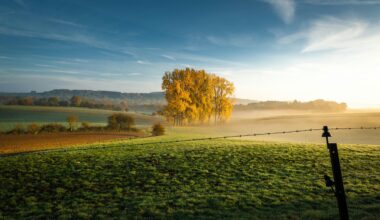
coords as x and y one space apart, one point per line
28 142
239 179
12 115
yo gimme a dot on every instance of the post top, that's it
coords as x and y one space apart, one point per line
326 132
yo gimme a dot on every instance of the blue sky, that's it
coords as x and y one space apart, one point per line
270 49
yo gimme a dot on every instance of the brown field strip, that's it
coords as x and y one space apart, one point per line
26 142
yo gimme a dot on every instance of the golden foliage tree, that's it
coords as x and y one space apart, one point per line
194 96
222 103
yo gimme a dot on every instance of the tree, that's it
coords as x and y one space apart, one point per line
53 101
86 125
193 96
33 128
124 106
75 101
177 96
121 122
26 101
158 129
72 120
222 104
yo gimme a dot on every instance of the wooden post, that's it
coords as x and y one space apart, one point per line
337 174
338 180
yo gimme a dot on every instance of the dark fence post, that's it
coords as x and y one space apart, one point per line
337 174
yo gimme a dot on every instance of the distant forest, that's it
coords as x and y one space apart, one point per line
143 102
147 102
66 94
316 105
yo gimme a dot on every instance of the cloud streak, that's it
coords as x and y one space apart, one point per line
237 40
331 33
168 57
284 8
341 2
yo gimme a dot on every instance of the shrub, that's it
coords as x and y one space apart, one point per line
18 129
53 128
158 129
121 122
85 125
72 120
33 128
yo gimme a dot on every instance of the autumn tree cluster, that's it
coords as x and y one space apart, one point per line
194 96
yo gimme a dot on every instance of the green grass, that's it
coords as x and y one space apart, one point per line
12 115
234 179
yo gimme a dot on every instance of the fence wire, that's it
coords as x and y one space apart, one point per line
258 134
197 139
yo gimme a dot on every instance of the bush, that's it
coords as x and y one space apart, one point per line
158 129
53 128
121 122
18 129
85 125
72 121
33 128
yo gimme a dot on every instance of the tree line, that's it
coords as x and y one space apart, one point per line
74 101
196 97
318 105
115 122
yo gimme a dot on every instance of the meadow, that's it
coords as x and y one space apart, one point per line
218 179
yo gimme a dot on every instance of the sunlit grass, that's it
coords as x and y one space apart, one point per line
205 179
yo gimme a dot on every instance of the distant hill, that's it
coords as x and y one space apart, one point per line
318 105
238 101
66 94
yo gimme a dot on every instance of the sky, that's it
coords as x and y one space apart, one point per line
270 49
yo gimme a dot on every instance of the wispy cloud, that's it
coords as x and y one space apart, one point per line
20 3
335 34
59 36
25 24
284 8
65 22
43 65
64 71
168 57
109 74
341 2
143 62
134 74
331 33
238 40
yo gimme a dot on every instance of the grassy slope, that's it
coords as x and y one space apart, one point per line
211 179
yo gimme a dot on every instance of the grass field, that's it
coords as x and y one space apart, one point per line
238 179
12 115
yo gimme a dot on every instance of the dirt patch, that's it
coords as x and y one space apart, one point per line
22 143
